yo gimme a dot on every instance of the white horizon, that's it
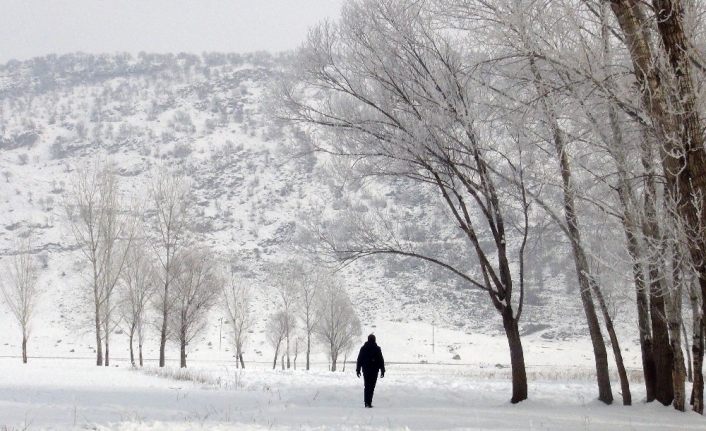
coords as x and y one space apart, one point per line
35 28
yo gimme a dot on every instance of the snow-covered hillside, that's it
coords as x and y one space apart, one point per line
254 183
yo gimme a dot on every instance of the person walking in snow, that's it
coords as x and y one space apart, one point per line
370 360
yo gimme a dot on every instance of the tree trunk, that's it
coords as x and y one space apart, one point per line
242 363
163 337
282 360
288 360
661 348
643 315
622 374
685 337
517 357
605 393
274 362
132 352
107 349
139 349
675 323
308 350
182 353
99 339
24 348
697 349
333 361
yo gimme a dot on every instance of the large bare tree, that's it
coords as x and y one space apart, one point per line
394 99
237 301
20 289
194 293
103 229
338 325
138 287
170 195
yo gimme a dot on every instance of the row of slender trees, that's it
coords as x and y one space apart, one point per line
145 269
509 112
318 302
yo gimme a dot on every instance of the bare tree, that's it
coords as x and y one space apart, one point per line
276 331
396 95
170 195
195 291
138 286
103 231
237 301
338 323
20 290
311 280
287 291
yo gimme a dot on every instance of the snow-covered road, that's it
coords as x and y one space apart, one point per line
70 394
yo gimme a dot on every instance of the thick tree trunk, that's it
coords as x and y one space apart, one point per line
182 353
139 350
643 315
132 352
687 349
517 357
287 352
107 350
99 338
242 363
274 362
333 361
622 374
661 347
308 350
24 348
697 349
675 323
163 337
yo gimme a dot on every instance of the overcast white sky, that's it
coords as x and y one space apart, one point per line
30 28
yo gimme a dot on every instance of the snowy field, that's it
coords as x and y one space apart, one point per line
73 394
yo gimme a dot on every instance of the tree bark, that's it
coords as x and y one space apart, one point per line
107 350
622 374
132 352
697 349
687 349
182 353
274 362
517 357
333 361
24 348
661 348
163 335
139 349
99 339
242 363
308 350
675 323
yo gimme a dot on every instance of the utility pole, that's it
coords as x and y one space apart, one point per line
220 332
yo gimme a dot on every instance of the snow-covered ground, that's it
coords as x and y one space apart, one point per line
73 394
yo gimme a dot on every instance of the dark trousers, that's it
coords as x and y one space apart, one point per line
370 378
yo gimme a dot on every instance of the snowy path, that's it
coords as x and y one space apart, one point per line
70 394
